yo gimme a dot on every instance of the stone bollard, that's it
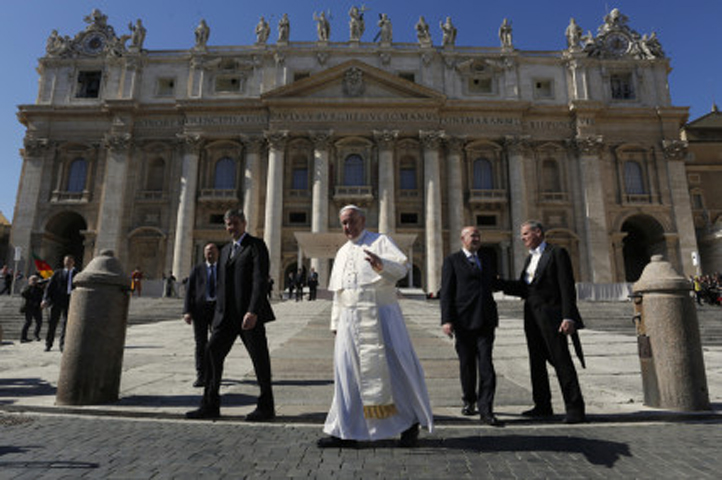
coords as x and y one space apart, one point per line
95 338
670 318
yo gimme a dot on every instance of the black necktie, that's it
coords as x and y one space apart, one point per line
212 283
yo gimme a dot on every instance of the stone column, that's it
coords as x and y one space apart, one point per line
431 141
385 139
112 201
251 174
596 231
319 214
28 195
455 146
675 151
578 79
185 220
505 247
519 193
273 223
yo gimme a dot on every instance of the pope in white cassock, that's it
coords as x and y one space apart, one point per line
379 389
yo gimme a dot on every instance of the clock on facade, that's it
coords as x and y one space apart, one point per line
617 44
94 43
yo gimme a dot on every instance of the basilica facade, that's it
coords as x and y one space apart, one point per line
141 151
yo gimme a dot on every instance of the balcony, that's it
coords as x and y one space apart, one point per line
151 195
70 197
219 197
299 193
638 198
554 197
356 193
487 196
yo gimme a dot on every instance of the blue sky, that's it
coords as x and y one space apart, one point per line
688 31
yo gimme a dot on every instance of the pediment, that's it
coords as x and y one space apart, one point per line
710 120
350 82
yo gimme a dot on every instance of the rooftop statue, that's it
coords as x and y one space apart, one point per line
57 45
385 28
323 27
202 32
356 23
574 35
448 31
262 31
284 29
505 34
422 32
137 35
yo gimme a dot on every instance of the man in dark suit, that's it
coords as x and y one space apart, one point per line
550 315
468 312
57 297
200 305
242 309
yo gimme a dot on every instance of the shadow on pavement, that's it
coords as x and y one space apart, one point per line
597 452
24 387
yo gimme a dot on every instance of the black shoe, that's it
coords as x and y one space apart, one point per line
47 348
538 412
203 413
410 437
573 418
260 416
335 442
24 340
468 410
491 420
37 339
199 383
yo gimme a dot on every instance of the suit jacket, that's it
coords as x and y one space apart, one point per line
466 293
56 293
196 287
551 293
243 282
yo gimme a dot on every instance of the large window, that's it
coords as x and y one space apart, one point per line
622 86
225 177
551 181
89 84
407 178
77 174
156 174
353 171
633 178
483 175
300 178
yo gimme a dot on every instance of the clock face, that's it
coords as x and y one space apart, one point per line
617 44
94 43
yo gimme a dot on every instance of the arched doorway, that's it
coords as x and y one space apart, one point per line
146 252
62 237
645 237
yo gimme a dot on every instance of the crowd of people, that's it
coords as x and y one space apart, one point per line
707 289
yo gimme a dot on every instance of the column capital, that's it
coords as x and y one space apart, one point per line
193 142
252 143
386 138
675 149
117 142
321 138
589 144
276 138
431 138
456 144
34 147
515 144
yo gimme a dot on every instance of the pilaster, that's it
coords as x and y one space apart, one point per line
455 151
112 202
386 139
431 141
273 223
183 245
319 217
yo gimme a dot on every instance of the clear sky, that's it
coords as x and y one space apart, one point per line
688 31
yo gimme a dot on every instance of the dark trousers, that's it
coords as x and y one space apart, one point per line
546 344
202 321
312 292
30 315
474 348
58 313
299 293
220 343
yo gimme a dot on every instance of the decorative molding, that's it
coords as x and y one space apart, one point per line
386 138
276 139
589 145
431 138
35 147
117 142
322 140
675 149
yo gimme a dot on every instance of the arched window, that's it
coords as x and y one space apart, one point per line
156 174
551 179
633 178
407 177
225 178
77 174
353 171
300 178
483 175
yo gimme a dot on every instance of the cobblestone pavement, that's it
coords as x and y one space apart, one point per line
52 447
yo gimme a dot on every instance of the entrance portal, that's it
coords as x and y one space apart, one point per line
645 237
62 237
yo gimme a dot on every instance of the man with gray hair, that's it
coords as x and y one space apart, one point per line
550 315
242 309
379 387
